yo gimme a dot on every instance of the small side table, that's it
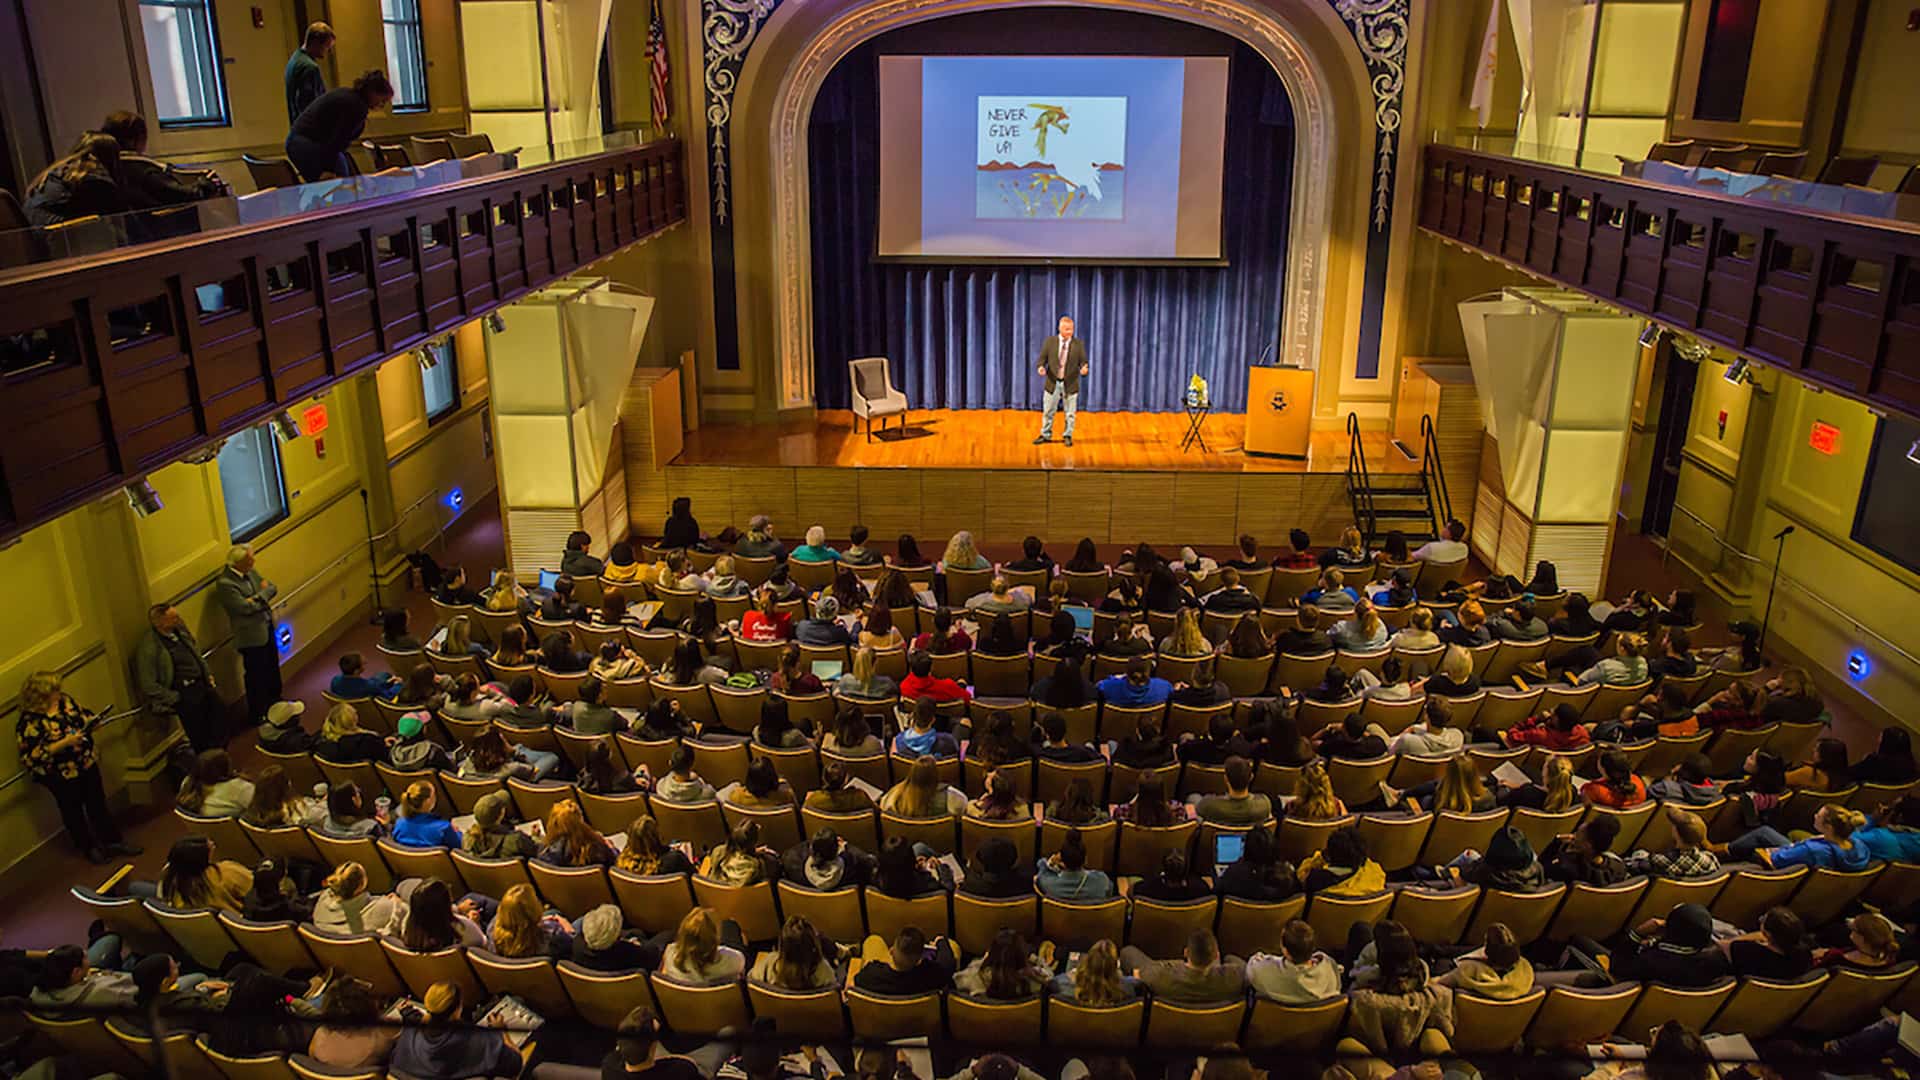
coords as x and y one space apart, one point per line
1196 419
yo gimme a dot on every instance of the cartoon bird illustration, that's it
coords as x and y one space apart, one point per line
1071 168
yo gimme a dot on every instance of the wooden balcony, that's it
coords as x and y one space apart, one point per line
1833 298
111 365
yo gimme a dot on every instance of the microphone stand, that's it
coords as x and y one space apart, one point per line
1778 555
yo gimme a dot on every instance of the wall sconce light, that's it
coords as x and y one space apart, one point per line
1737 372
456 499
144 500
283 637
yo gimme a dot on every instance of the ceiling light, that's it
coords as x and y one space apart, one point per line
284 427
144 500
1650 335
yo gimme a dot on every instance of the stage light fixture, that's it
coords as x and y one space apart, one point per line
496 322
1737 372
426 358
1650 335
285 428
144 500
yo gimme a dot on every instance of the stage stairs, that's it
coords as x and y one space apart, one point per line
1415 504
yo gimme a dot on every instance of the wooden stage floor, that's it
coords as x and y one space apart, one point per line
1003 439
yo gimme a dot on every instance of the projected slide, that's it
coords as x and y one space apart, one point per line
1062 158
1051 157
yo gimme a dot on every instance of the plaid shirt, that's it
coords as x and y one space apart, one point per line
1683 863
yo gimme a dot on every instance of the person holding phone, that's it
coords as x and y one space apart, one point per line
56 745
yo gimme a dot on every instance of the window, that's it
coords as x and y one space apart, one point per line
183 50
406 54
442 382
252 484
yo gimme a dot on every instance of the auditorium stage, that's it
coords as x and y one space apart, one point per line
1124 480
1003 439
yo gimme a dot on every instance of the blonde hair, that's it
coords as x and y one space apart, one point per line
1557 779
1843 820
644 849
347 881
1879 932
1187 639
417 799
516 926
1351 540
1368 618
1421 618
1630 644
566 822
960 551
237 554
1456 664
1096 981
1472 614
920 791
1314 799
864 661
342 720
723 566
999 585
696 940
1460 787
816 536
459 636
41 693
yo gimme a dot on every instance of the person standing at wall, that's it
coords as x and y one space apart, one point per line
305 81
247 598
56 746
174 679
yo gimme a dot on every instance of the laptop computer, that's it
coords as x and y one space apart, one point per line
828 670
1082 616
1228 847
547 579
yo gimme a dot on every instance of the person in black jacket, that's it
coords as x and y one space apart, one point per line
1260 874
1173 883
601 944
317 144
1223 741
826 862
146 183
994 871
908 966
1678 951
86 181
1305 637
680 529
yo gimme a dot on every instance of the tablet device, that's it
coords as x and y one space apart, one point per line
1228 847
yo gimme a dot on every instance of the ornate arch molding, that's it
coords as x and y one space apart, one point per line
1324 74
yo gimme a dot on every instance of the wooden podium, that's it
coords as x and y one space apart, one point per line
1279 411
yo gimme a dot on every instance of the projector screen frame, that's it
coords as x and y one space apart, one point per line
1145 261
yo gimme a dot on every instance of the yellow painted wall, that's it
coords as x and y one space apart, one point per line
89 575
1880 110
1794 484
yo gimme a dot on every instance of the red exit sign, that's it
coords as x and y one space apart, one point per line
313 421
1824 438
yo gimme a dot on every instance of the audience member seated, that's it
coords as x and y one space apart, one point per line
1828 771
348 816
1470 630
1451 549
1185 640
511 650
910 965
432 921
571 841
213 789
1334 687
850 736
1007 971
1518 623
1618 787
1173 883
999 599
682 785
1150 807
921 795
1559 730
1300 974
1065 875
920 737
1353 739
1332 594
492 836
1232 596
1509 865
920 683
1688 859
1627 667
1363 632
906 871
826 863
343 742
1136 688
647 855
1455 677
1791 698
1096 981
1342 868
1145 747
346 906
353 683
1260 874
276 805
195 877
1200 977
1831 847
1418 633
1434 735
1054 746
1585 855
999 801
1892 833
1891 763
1240 806
419 826
1781 950
1066 688
864 682
282 732
1873 942
1689 783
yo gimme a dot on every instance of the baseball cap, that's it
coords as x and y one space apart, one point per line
281 712
410 724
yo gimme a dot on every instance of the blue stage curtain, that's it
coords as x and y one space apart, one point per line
966 337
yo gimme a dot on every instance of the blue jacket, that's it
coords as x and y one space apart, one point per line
913 743
1822 852
1885 843
359 686
425 830
1118 690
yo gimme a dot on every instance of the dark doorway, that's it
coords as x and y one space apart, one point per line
1675 377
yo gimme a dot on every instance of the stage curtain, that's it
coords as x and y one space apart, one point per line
966 337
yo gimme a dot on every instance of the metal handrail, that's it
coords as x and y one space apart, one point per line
1788 580
1357 465
1435 476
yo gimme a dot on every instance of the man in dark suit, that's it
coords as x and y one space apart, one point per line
1063 359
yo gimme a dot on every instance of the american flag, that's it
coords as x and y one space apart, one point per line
657 53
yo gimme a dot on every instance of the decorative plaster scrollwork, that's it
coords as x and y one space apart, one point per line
727 30
1380 29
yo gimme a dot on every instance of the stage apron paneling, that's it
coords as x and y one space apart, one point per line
966 337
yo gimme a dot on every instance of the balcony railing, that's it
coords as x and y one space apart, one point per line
114 364
1832 297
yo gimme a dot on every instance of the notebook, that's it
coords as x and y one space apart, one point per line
1511 775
